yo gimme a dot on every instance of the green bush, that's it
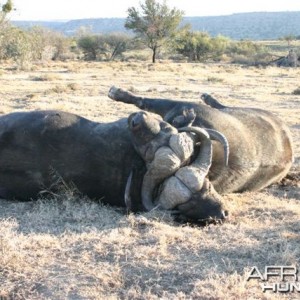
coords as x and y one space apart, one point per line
16 45
103 47
25 46
248 53
88 44
200 46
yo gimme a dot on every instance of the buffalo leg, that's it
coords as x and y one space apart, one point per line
159 106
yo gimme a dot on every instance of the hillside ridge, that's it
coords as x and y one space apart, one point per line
253 26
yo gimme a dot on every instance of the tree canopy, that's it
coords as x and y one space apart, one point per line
154 24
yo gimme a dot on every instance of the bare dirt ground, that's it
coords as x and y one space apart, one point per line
72 248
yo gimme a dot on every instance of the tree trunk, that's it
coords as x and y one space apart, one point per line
94 54
154 54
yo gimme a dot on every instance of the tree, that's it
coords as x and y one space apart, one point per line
116 44
5 9
155 24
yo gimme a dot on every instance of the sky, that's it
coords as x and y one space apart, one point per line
81 9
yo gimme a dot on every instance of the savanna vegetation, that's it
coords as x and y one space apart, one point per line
157 34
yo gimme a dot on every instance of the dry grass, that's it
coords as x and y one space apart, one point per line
69 247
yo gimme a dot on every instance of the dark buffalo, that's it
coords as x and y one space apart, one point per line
260 144
98 158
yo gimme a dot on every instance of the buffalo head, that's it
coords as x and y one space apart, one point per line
168 153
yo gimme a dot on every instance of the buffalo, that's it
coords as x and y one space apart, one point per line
108 161
100 159
260 143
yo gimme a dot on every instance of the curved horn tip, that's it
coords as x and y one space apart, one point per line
221 138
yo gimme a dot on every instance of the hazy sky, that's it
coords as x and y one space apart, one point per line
75 9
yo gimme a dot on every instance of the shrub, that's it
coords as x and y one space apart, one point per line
103 47
200 46
25 46
15 44
88 44
248 53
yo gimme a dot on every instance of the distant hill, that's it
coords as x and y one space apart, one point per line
254 26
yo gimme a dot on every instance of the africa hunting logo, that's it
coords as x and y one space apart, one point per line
277 279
